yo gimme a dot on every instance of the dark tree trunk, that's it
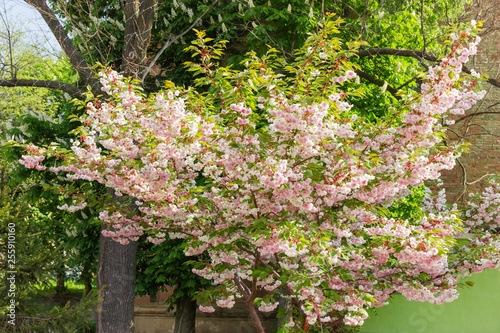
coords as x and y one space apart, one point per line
140 16
117 263
60 287
255 317
88 287
185 315
116 274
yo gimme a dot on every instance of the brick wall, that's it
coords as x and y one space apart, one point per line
482 130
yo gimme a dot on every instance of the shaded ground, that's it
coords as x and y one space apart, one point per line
62 299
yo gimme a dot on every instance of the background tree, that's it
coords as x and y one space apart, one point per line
77 233
44 249
29 265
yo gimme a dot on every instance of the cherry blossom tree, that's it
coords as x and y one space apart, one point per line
280 182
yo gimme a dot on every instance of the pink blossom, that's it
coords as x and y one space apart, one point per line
206 309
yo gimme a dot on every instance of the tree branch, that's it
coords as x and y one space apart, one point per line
66 87
74 56
492 81
380 83
413 54
422 31
399 52
171 40
407 83
475 114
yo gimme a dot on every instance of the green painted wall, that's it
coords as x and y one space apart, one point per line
477 310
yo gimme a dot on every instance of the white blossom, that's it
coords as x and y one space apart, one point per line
384 87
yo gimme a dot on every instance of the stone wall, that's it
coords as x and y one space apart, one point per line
152 317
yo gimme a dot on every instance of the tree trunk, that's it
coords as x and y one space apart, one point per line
116 274
88 287
117 263
286 304
60 288
185 315
255 317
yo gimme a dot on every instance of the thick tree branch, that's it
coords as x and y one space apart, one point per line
74 56
66 87
492 81
380 83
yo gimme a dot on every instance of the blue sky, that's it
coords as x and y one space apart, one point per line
23 16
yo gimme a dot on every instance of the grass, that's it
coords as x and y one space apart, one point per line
71 286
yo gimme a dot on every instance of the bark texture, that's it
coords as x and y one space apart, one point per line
185 315
139 18
116 280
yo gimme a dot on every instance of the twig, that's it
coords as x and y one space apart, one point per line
407 83
422 24
171 40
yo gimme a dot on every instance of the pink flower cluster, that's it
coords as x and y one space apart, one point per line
73 208
33 161
484 209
